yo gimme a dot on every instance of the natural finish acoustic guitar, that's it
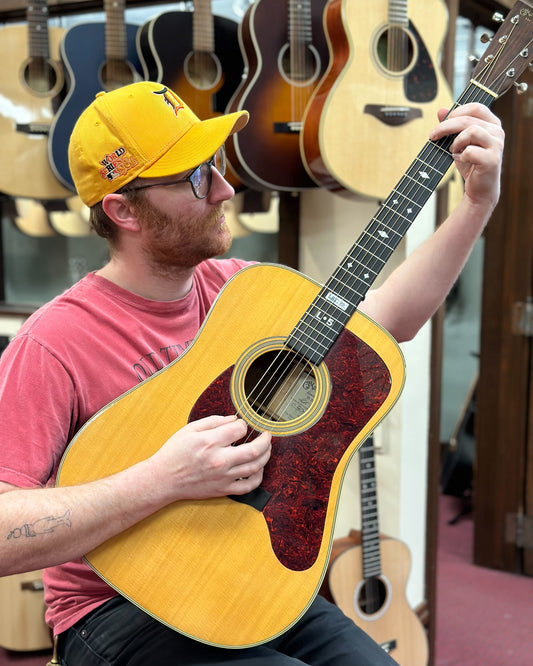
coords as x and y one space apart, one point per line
379 96
368 581
297 360
31 90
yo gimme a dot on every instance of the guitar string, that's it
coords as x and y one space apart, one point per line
477 95
413 188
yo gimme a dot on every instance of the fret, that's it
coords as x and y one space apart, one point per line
369 511
203 27
300 21
37 17
398 12
115 30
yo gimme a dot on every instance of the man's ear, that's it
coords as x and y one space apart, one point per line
120 210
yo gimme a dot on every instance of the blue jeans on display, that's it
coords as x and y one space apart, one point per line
120 634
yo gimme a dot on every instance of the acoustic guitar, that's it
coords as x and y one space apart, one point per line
381 93
285 54
368 581
97 56
197 55
298 360
31 88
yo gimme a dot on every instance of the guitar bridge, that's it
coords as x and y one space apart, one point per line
33 128
392 115
291 127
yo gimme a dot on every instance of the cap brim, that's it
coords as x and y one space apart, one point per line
200 143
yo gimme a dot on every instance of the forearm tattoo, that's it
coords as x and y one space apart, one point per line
41 526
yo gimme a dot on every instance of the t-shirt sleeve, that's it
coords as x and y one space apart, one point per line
37 408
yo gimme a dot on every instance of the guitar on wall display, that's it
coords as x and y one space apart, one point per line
31 88
285 54
97 56
367 581
383 70
197 55
298 360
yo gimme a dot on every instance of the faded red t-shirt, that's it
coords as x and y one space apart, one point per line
71 358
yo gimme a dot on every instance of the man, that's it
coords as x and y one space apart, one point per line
152 174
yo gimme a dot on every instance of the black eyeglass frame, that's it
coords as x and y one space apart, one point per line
201 172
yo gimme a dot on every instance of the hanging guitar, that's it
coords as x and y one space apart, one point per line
298 360
31 88
383 69
97 56
197 55
285 53
368 581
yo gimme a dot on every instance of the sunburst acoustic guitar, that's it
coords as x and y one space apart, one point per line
32 87
384 70
285 54
197 54
368 580
298 360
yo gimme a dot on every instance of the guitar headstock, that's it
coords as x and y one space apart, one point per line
510 51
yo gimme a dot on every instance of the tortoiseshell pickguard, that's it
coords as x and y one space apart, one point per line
299 473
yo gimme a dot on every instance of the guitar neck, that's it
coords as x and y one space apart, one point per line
398 13
369 511
336 302
37 17
203 28
300 37
116 47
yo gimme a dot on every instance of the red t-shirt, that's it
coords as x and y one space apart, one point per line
71 358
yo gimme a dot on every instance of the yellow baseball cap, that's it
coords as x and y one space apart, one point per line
143 129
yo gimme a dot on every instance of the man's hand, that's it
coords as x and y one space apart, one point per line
199 461
477 149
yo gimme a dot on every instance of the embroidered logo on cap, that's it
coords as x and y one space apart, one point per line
116 164
170 100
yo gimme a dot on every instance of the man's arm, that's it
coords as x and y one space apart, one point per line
47 526
414 291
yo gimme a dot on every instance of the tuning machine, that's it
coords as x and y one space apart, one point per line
521 88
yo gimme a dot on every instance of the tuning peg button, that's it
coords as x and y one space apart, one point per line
498 17
521 88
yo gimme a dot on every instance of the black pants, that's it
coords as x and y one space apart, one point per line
119 634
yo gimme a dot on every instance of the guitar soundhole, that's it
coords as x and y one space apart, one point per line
41 76
299 65
202 69
116 73
280 386
395 49
372 596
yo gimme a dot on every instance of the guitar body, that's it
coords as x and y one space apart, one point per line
361 109
266 153
206 81
202 566
84 57
395 626
25 118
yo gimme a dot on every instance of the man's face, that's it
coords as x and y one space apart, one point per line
179 230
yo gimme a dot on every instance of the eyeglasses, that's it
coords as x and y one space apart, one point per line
200 179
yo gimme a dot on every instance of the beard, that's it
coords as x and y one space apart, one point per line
174 242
